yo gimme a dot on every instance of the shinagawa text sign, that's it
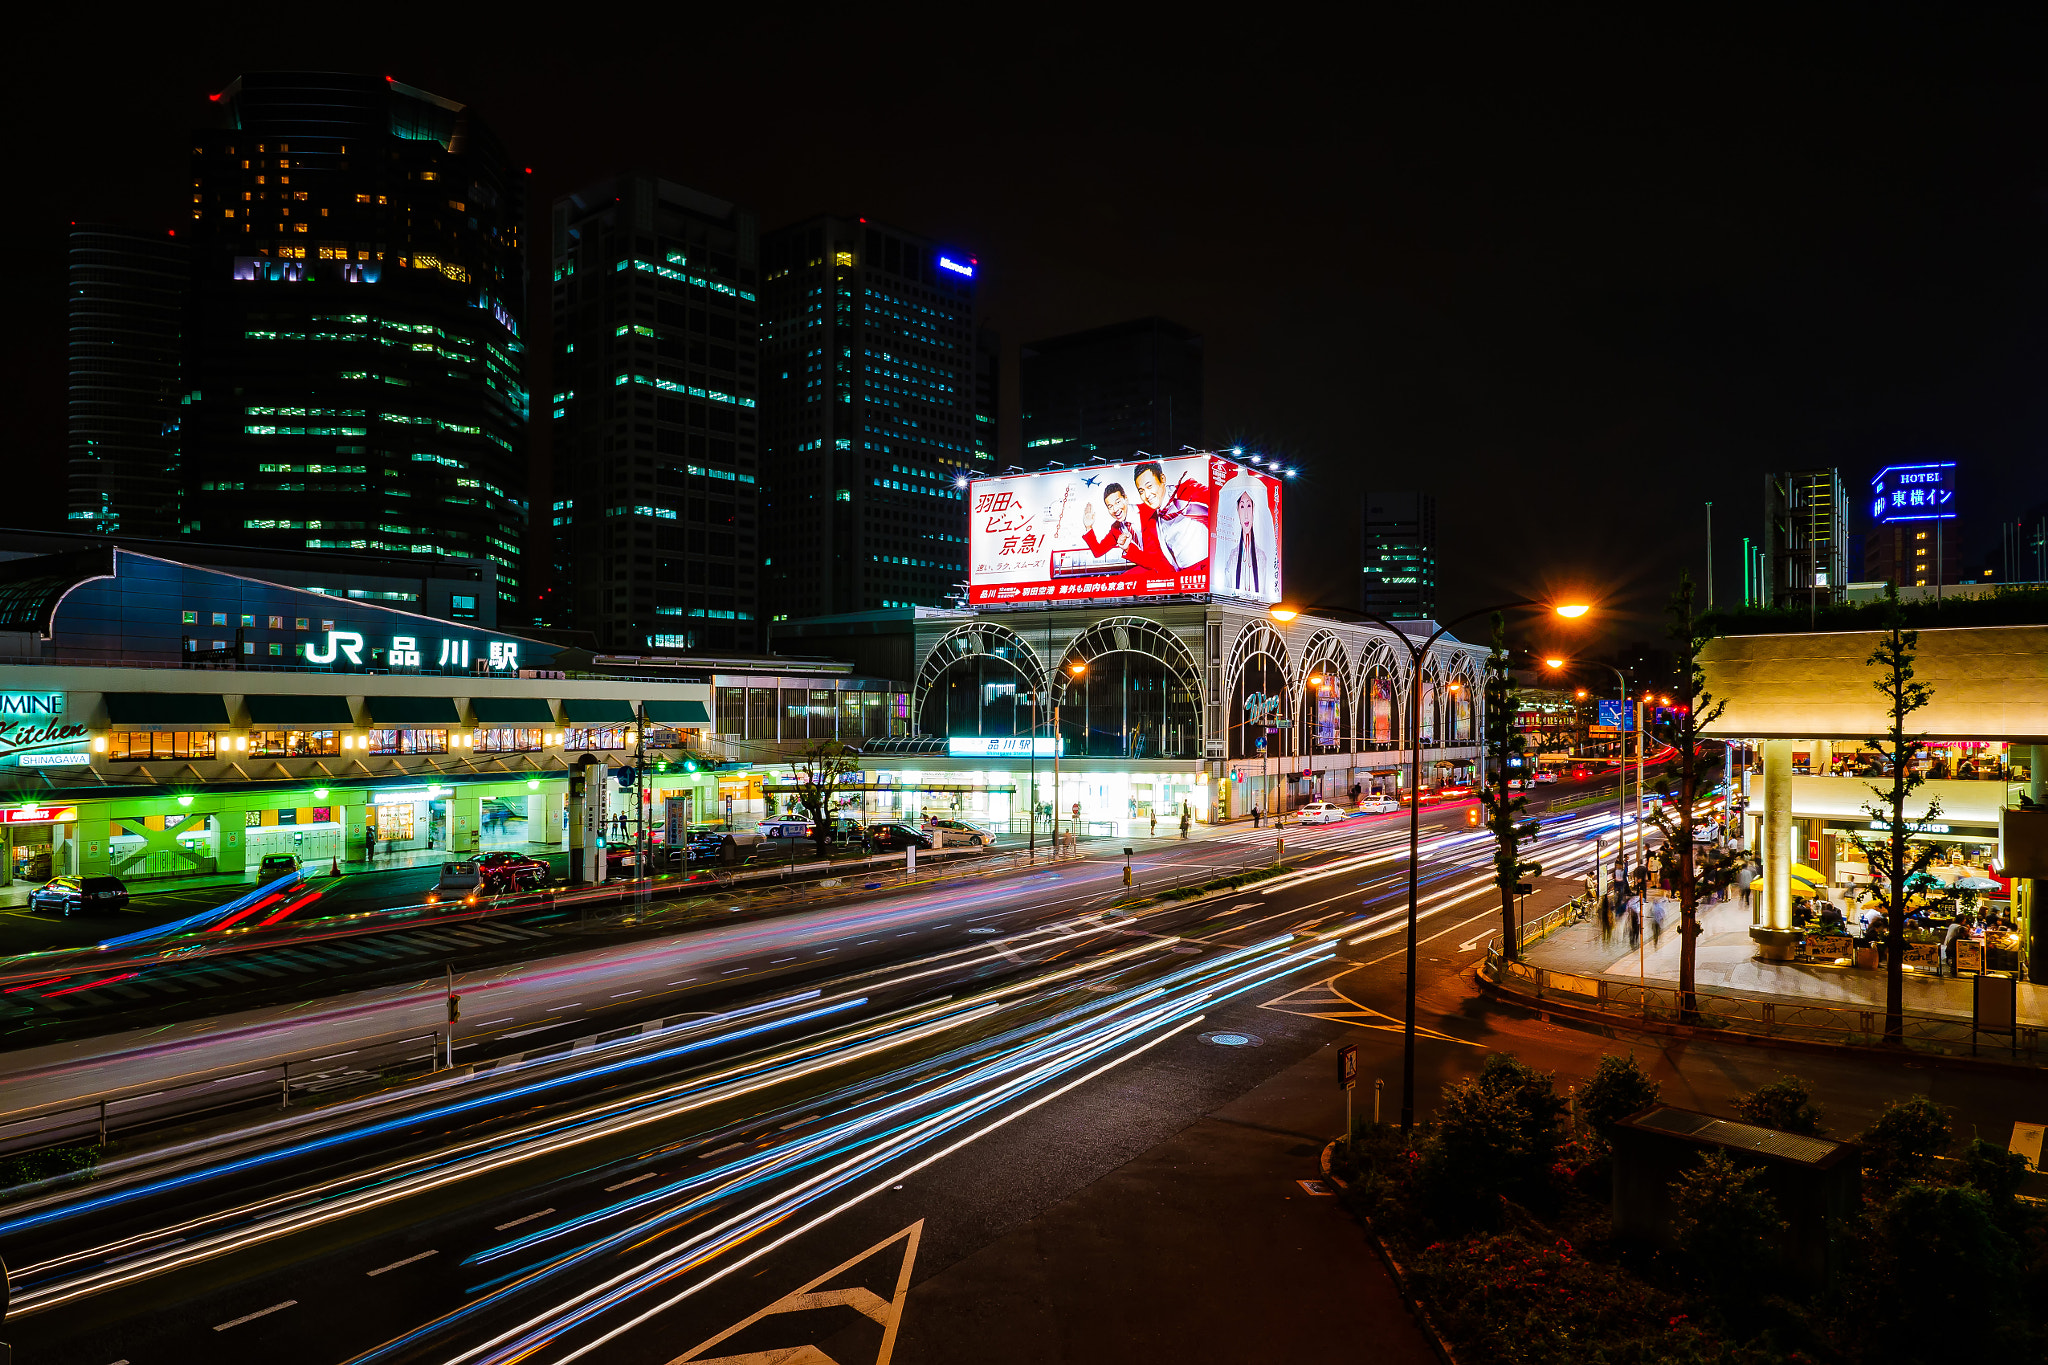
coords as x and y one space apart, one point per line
34 732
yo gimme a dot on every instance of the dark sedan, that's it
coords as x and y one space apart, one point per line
69 896
890 838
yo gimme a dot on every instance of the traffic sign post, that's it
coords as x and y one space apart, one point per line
1347 1077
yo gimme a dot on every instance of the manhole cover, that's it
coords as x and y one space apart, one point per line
1233 1039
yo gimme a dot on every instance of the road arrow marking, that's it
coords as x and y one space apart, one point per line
887 1312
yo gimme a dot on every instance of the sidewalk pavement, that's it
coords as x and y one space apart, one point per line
1727 963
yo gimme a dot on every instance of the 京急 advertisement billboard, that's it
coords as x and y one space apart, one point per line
1191 524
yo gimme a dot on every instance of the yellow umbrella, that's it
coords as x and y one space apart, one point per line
1802 873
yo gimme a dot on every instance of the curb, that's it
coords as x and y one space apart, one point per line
1613 1026
1417 1309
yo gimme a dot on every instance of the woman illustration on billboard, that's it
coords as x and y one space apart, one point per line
1248 561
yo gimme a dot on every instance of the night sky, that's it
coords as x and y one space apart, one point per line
1575 275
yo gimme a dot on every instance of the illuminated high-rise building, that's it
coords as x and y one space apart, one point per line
654 419
353 371
870 384
1400 555
127 297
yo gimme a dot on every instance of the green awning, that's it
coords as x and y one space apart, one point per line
511 711
412 710
597 712
166 708
286 710
677 713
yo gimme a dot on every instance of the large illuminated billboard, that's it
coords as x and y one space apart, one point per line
1914 492
1191 524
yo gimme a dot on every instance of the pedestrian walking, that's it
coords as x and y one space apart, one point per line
1657 923
370 846
1155 824
1187 819
1255 817
1607 918
1633 908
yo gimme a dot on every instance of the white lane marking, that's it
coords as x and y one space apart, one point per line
634 1181
716 1151
508 1019
730 970
528 1219
621 995
570 1006
259 1313
778 961
684 982
153 1246
396 1264
522 1032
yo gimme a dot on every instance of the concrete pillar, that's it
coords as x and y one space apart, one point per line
2036 754
1777 840
544 818
465 824
1773 930
1821 757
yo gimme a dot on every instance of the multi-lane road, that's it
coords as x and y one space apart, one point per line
819 1119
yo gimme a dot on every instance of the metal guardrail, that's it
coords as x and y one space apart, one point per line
1573 911
1853 1026
155 1105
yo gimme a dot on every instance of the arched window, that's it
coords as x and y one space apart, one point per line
977 682
1139 696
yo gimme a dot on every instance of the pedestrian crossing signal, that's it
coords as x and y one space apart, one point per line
1472 816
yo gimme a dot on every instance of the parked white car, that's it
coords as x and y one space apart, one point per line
1320 813
1545 776
1378 804
786 829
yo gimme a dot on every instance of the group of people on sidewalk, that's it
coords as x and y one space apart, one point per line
1636 904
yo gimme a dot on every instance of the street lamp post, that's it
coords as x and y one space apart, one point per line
1417 654
1079 669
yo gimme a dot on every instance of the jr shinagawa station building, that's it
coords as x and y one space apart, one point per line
161 720
1125 622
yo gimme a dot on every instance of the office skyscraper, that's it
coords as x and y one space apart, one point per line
988 389
868 398
654 505
1110 393
1400 555
1806 536
353 373
126 306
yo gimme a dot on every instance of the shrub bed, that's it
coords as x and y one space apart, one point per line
1499 1213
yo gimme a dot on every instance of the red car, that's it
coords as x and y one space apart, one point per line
502 872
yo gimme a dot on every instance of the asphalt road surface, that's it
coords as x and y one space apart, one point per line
893 1129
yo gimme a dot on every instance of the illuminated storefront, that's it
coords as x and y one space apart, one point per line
135 743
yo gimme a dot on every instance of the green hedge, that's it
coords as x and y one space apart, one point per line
1230 883
29 1167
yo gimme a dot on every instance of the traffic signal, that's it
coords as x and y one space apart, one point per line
454 1009
1472 815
